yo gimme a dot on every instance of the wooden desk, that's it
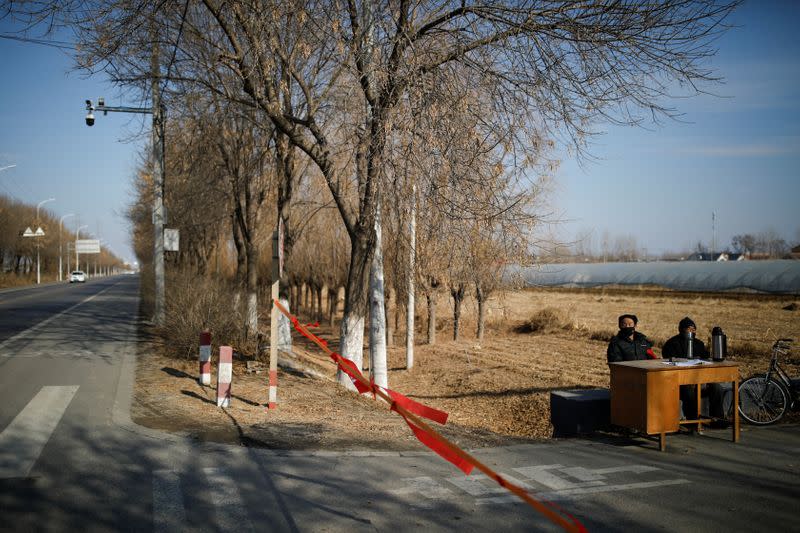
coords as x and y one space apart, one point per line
645 394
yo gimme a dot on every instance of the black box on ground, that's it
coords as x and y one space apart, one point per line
579 411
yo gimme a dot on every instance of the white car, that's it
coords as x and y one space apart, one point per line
77 277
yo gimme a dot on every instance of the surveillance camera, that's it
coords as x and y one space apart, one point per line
90 119
101 102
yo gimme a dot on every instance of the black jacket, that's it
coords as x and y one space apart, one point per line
675 347
622 349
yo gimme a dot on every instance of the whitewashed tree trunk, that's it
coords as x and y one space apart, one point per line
412 262
284 328
252 312
377 326
237 300
351 345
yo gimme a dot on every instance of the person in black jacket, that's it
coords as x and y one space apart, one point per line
677 346
629 344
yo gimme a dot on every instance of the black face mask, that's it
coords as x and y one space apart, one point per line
626 332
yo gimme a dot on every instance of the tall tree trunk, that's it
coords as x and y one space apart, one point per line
390 312
481 296
431 298
252 287
412 269
351 344
457 293
377 329
333 303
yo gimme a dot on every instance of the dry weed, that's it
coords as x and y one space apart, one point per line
547 320
195 303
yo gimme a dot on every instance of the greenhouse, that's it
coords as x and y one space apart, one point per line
778 277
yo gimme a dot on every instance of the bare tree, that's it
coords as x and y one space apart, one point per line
561 65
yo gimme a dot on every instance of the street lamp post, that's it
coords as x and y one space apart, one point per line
38 262
60 253
157 111
77 238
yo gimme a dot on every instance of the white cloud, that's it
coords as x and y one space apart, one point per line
743 150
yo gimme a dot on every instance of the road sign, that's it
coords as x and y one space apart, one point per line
30 233
87 246
171 239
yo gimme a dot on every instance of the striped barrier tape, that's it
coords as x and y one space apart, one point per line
411 410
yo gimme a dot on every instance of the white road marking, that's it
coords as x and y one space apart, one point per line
23 440
427 487
479 484
554 477
228 506
25 333
570 494
169 513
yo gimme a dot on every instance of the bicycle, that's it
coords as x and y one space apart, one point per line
764 399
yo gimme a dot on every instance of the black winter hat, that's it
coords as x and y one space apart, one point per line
632 317
686 323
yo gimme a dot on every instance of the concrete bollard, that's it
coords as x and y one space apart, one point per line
205 358
224 376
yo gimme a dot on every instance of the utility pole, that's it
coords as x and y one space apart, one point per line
60 252
158 185
713 234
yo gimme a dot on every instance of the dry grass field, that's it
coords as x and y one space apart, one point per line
496 391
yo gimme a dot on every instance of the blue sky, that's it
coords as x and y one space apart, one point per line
737 156
87 170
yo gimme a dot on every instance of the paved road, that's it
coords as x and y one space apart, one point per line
70 458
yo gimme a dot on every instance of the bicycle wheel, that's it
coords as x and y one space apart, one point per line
762 401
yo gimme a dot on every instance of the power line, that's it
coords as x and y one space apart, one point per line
63 45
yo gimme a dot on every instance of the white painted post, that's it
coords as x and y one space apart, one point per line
224 376
277 271
205 358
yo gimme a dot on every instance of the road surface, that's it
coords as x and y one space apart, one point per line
71 459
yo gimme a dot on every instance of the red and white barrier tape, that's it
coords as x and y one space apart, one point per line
411 411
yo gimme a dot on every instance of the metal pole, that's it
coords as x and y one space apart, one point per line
158 185
60 252
77 255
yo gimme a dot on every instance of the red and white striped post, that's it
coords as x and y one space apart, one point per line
224 376
205 358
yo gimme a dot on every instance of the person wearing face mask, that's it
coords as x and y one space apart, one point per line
678 346
629 344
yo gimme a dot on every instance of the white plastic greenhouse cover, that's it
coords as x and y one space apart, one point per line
778 276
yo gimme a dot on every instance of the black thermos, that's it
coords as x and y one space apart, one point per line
719 344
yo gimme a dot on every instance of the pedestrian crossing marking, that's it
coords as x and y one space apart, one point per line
23 440
227 500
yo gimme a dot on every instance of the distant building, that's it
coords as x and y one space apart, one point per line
722 256
795 252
